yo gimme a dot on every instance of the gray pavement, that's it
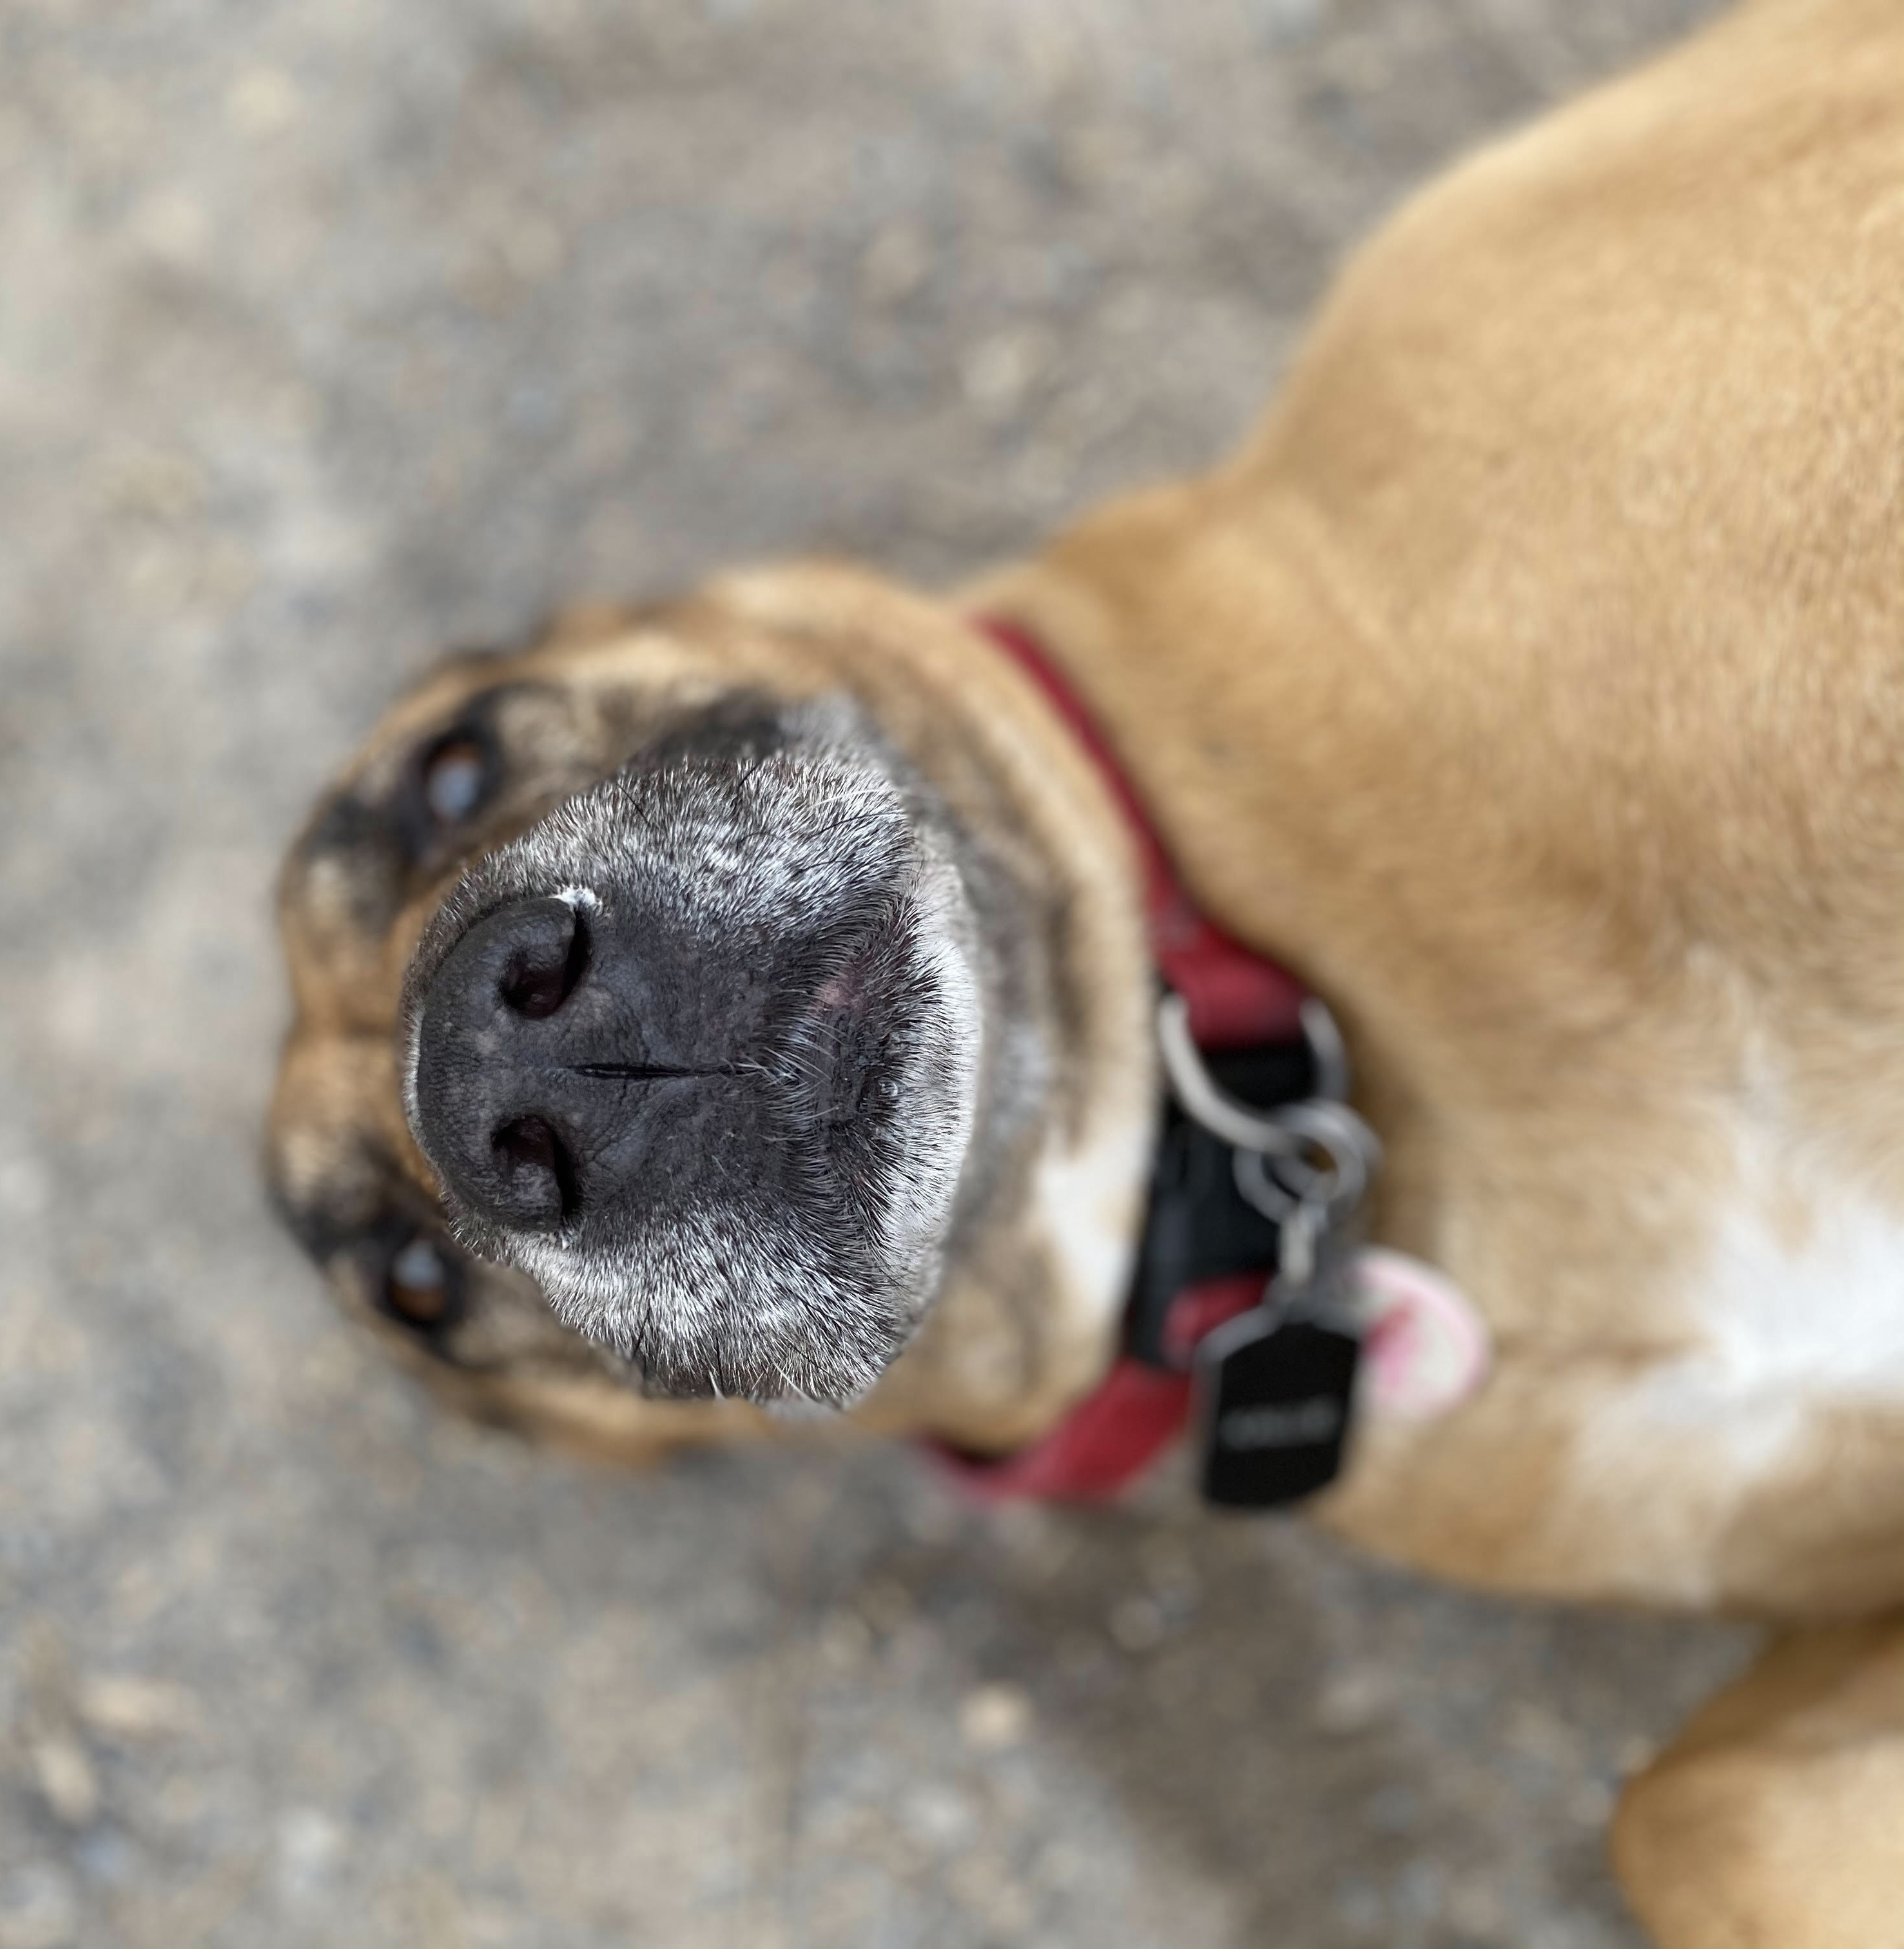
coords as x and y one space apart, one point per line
333 334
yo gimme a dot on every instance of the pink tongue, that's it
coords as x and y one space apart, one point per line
1427 1347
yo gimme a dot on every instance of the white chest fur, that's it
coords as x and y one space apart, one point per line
1792 1303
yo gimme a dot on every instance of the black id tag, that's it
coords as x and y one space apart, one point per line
1275 1396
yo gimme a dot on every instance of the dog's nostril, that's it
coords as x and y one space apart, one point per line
533 1154
533 990
538 981
528 1140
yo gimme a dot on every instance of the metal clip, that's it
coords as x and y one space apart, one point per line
1297 1234
1304 1165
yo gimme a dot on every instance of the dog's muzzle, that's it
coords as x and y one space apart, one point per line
698 1052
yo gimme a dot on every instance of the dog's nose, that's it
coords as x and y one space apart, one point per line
497 1110
561 1063
579 1063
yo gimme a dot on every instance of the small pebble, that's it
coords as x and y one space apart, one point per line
137 1708
1137 1625
992 1717
67 1782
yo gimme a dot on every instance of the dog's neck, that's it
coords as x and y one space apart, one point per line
1228 1017
1234 996
1236 706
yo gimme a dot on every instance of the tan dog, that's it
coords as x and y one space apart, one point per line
1533 684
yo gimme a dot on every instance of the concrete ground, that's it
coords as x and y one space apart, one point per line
331 334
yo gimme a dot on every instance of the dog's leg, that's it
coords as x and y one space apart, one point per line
1776 1821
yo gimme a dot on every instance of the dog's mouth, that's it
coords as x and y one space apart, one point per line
698 1051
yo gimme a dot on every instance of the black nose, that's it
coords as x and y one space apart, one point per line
578 1063
559 1062
497 1113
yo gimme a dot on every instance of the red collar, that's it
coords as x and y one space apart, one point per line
1236 999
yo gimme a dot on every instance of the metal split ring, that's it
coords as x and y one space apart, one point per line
1328 1172
1316 1153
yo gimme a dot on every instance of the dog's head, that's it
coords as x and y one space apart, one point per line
656 987
698 1050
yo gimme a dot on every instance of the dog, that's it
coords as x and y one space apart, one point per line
716 1014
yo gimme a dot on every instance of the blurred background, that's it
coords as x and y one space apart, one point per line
332 334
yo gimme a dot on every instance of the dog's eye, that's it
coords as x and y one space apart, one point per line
458 776
420 1289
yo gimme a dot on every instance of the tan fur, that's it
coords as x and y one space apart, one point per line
1777 1820
1534 684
